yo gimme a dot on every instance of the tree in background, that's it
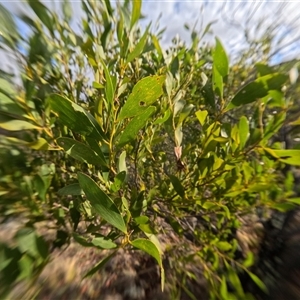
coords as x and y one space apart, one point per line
116 143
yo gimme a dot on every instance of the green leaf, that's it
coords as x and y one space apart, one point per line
118 181
177 185
136 12
283 207
17 125
75 117
185 113
178 106
144 93
258 281
100 265
291 157
243 131
201 116
103 243
263 69
71 189
178 135
81 151
157 46
150 248
39 144
250 260
224 246
257 89
223 289
131 131
139 47
236 283
294 200
42 12
29 242
101 203
94 145
220 59
122 162
109 86
217 82
97 85
81 240
165 117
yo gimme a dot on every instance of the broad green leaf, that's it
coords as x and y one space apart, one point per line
122 162
136 12
250 260
75 117
17 125
94 145
144 93
109 86
39 144
208 205
28 241
243 131
101 203
6 88
178 106
201 116
150 248
294 200
71 189
208 94
263 69
223 289
100 265
118 181
174 67
234 279
177 185
42 12
185 113
165 117
131 131
141 220
139 47
283 207
274 124
217 82
220 59
103 243
224 246
259 88
11 107
291 157
82 240
80 151
157 46
97 85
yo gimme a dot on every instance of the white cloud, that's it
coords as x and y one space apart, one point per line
233 18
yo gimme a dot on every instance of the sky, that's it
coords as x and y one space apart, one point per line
230 20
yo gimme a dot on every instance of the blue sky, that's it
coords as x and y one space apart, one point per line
231 19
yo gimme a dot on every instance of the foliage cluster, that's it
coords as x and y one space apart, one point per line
110 129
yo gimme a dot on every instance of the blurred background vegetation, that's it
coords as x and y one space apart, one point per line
218 206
